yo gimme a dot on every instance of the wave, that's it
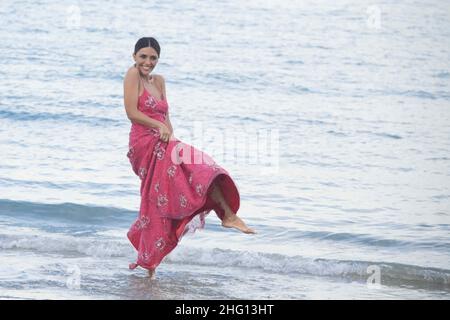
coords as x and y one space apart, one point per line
108 188
380 134
65 117
390 273
67 212
32 213
422 94
109 247
442 75
63 244
361 239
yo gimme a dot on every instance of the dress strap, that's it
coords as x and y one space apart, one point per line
139 86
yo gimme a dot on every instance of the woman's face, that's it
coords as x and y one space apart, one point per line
146 60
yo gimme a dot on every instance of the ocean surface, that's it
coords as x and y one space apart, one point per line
333 118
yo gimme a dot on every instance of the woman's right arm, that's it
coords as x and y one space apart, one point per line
130 96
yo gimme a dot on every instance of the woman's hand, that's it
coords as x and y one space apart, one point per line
164 132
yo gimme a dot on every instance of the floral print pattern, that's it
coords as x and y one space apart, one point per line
150 102
145 256
171 171
183 201
130 153
162 200
199 189
142 172
160 244
159 151
154 132
142 222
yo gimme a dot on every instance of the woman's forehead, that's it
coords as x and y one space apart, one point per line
147 51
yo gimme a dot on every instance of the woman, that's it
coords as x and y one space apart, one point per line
175 185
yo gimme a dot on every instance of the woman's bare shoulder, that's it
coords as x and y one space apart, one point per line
159 77
132 73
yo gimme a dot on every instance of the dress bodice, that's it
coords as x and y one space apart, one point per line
152 107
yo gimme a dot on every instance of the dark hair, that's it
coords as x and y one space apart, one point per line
147 42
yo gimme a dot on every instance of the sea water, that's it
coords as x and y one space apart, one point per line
332 118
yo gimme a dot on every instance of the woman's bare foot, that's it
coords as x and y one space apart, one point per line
233 221
152 274
230 220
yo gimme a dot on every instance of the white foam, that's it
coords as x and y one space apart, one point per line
103 247
34 239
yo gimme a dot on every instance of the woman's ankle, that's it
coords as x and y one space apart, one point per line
228 214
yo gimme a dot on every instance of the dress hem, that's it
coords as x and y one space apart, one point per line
219 212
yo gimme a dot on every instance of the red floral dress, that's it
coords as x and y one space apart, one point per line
175 186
